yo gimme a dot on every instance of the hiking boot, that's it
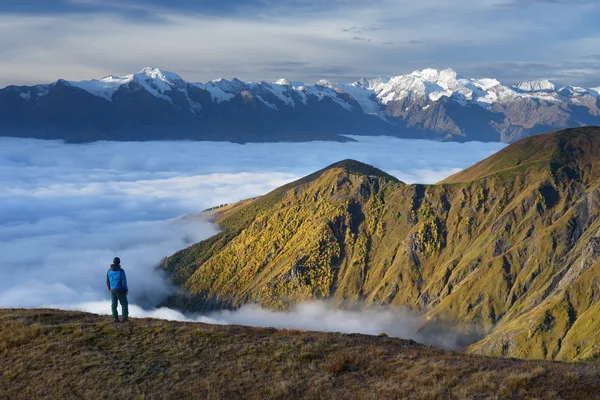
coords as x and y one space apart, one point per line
126 320
115 320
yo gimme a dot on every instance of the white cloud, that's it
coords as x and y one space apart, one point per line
311 316
67 210
297 40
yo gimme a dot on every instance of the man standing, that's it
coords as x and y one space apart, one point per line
116 281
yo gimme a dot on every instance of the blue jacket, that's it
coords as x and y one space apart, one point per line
116 280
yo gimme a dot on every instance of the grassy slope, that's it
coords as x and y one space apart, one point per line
60 354
507 249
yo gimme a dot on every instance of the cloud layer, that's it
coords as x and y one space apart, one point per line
67 210
300 40
312 316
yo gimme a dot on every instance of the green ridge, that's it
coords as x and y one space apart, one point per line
507 250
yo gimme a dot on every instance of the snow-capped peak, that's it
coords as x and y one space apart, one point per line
105 87
426 84
224 90
487 83
434 75
115 79
158 82
154 80
362 82
325 83
428 74
371 84
446 79
230 86
156 73
536 86
283 82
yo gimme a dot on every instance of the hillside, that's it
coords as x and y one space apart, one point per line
507 251
573 152
73 355
159 105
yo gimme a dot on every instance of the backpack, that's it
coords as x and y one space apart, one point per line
118 285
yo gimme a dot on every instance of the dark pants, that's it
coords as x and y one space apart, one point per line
122 298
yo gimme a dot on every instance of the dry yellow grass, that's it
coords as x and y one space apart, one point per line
507 250
60 354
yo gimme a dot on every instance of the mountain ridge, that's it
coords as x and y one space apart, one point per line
71 354
157 105
555 149
506 255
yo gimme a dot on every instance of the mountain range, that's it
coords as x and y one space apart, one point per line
159 105
506 251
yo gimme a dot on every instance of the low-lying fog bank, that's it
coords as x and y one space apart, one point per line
67 210
310 316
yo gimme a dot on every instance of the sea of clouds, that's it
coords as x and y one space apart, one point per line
67 209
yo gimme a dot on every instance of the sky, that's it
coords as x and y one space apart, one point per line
68 209
307 40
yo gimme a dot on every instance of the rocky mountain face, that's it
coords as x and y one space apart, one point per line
507 251
159 105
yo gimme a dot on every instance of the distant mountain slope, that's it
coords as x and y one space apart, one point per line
73 355
508 250
159 105
573 151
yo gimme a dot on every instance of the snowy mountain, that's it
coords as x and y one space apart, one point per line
156 105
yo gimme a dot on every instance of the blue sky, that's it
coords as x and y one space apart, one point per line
341 40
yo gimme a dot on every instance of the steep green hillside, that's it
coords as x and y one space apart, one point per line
507 250
71 355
